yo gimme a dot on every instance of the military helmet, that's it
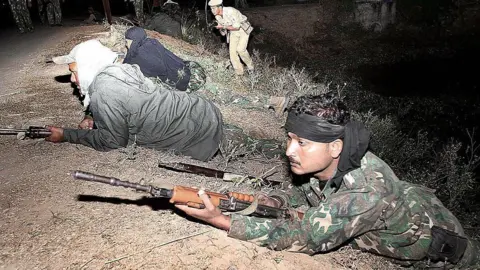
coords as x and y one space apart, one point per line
214 3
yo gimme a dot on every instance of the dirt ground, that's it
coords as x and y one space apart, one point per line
50 221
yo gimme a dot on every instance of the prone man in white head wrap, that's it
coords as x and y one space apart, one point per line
125 108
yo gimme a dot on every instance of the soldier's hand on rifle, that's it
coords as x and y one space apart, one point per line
210 214
56 136
269 201
87 123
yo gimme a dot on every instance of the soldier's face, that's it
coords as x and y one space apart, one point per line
74 77
309 157
216 10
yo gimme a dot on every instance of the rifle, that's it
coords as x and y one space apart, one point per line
32 132
199 170
231 201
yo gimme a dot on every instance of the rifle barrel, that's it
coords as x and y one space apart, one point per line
11 131
33 132
109 180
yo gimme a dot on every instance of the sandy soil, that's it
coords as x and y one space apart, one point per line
50 221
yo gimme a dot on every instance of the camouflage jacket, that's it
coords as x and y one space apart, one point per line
372 210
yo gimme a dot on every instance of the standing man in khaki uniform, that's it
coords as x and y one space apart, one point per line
237 28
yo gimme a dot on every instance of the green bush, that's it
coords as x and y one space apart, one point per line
448 169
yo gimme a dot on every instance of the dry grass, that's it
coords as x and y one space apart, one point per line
354 259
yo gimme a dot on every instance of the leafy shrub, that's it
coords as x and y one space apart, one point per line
449 169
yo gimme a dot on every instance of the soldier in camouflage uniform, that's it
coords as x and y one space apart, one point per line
50 9
352 198
21 14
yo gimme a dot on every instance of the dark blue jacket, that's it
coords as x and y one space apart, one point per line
155 60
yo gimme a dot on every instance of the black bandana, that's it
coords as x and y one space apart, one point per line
313 128
355 138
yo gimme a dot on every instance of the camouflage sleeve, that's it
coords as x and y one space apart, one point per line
342 217
292 196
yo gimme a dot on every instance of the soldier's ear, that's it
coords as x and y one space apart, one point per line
336 148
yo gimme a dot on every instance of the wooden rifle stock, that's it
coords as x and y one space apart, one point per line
189 196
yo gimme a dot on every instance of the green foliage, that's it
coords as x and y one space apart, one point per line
196 30
414 158
270 79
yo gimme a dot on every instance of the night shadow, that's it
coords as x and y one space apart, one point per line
154 203
66 79
425 76
63 78
76 92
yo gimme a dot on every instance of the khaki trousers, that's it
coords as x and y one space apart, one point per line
238 49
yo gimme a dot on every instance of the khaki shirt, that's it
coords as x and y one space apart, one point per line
231 17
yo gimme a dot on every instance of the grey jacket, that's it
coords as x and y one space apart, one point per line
127 108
